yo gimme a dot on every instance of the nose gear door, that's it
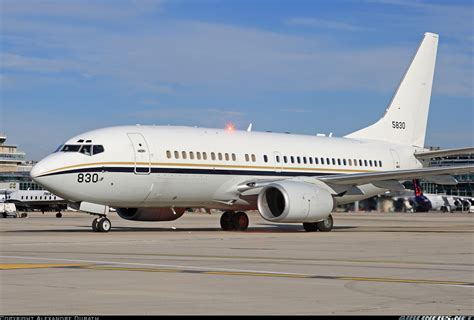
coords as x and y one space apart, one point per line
141 153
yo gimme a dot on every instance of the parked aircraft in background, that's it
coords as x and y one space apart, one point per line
422 202
27 200
153 173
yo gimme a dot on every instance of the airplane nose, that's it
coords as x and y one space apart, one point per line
40 173
36 170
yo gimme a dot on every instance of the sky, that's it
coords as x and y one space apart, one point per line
299 66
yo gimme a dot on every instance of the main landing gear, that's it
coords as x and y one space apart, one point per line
323 226
101 224
234 221
59 215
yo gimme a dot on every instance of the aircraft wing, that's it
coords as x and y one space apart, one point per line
443 153
374 177
347 183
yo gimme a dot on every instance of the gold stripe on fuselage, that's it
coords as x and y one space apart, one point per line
210 166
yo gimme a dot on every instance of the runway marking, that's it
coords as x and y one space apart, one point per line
14 266
217 271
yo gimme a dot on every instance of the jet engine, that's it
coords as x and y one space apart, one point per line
294 201
150 214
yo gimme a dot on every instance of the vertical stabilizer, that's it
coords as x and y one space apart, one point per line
406 117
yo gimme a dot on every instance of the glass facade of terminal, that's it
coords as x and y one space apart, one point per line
465 186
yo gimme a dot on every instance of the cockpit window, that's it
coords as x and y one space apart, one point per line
98 149
71 148
58 148
86 149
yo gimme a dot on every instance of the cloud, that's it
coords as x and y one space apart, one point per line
80 9
324 24
174 55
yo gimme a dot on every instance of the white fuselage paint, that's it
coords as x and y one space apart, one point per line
130 175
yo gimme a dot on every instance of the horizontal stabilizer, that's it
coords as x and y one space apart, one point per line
444 153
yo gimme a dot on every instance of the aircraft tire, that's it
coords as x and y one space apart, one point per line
310 226
325 225
59 215
104 225
226 221
95 225
240 221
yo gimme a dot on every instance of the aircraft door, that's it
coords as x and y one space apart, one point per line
141 153
396 158
277 161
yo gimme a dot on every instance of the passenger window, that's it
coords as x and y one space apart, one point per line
226 156
322 160
333 161
310 160
183 153
97 149
298 159
380 164
344 162
213 156
304 160
360 163
204 155
365 163
176 155
219 155
198 155
338 161
253 158
316 161
265 158
234 158
191 155
278 159
168 154
370 163
285 159
292 159
86 150
375 163
247 157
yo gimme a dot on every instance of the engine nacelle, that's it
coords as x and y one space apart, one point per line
294 201
150 214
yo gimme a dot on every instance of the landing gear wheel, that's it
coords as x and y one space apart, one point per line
240 221
310 226
104 225
59 215
95 225
325 225
226 221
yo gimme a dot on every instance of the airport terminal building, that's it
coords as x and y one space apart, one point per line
14 168
465 186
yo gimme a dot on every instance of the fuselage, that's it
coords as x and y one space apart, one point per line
167 166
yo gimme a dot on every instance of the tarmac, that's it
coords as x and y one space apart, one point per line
371 263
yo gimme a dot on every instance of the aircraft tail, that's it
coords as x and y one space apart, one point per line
406 117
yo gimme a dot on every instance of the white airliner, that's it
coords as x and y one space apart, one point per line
153 173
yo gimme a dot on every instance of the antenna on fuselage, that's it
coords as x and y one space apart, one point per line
249 129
